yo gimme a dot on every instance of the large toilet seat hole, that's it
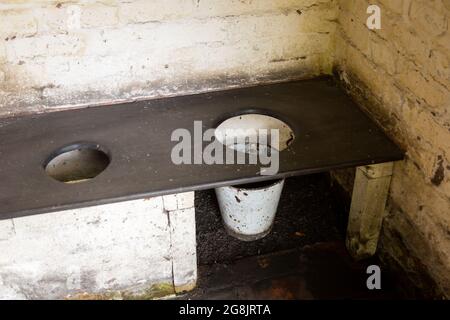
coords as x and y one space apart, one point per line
242 128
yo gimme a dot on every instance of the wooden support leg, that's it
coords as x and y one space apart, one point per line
370 192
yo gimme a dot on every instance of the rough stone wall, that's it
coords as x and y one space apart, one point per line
401 76
59 53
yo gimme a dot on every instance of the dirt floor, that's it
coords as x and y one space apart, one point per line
307 214
320 271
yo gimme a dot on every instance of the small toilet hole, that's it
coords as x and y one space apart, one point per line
77 163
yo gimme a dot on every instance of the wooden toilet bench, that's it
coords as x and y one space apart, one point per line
331 132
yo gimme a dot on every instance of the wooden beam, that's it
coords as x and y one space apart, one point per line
369 197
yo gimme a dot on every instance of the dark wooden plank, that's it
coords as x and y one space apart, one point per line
331 132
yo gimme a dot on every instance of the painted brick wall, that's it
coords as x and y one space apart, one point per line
129 250
401 75
59 53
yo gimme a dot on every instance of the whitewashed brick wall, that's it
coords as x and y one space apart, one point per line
55 54
134 249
